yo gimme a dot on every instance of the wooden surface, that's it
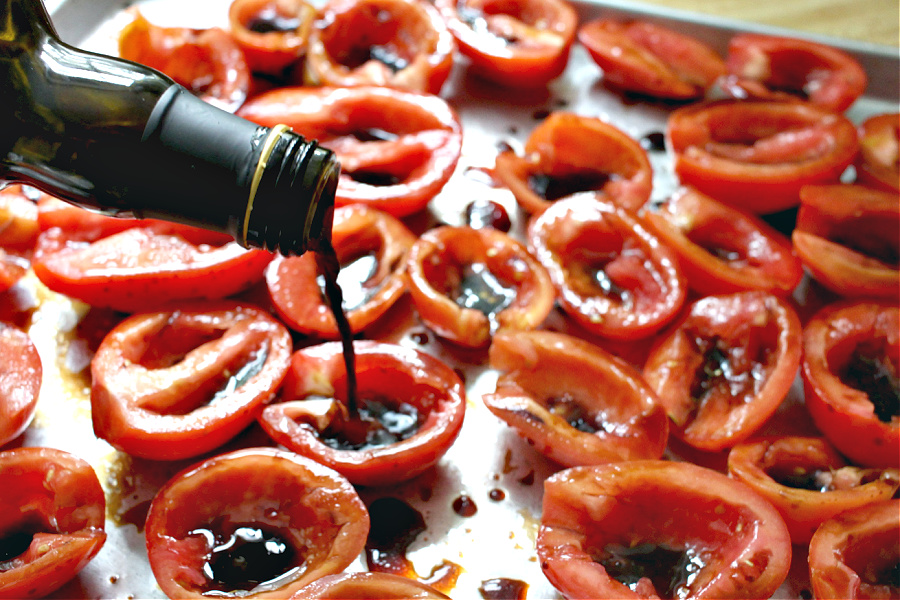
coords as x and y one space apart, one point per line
875 21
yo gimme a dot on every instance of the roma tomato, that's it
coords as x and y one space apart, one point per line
514 43
757 155
20 381
577 404
724 368
52 515
878 162
807 481
848 237
393 43
773 66
254 523
647 58
855 554
397 149
851 352
368 585
138 265
568 155
273 34
722 249
410 408
467 284
371 246
612 276
208 62
175 384
659 529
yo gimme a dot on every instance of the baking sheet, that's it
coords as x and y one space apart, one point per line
498 540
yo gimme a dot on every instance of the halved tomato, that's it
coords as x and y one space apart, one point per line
878 163
273 34
20 381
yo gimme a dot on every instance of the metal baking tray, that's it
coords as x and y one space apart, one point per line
498 540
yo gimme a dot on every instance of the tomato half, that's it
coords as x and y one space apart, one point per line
466 284
807 481
410 411
254 523
659 529
52 515
208 62
722 249
273 34
878 163
133 265
175 384
724 368
18 217
568 155
611 275
368 585
371 246
855 554
851 353
651 59
577 404
821 74
848 237
20 381
393 43
397 149
514 43
757 155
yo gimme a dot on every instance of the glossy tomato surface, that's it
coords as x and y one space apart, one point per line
273 34
648 529
851 353
467 284
878 163
722 249
253 523
757 155
52 515
575 403
397 148
807 480
360 586
611 274
513 43
725 366
21 375
855 554
371 246
132 265
575 155
175 384
848 237
651 59
401 44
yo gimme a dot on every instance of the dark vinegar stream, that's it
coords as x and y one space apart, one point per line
329 267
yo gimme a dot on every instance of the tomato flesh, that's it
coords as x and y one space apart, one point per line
20 381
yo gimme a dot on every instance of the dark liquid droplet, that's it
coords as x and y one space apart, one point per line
654 141
394 526
329 267
13 545
481 214
497 495
553 188
246 558
502 588
464 506
270 20
378 423
505 147
668 568
419 337
528 479
540 114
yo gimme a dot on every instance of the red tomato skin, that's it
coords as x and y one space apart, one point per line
383 370
422 157
756 155
824 75
530 61
695 226
804 510
138 265
62 493
537 366
848 549
848 237
762 337
412 30
271 52
310 506
660 502
21 374
368 584
845 414
650 59
878 162
18 218
147 404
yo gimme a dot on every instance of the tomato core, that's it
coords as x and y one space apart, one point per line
873 373
670 569
380 422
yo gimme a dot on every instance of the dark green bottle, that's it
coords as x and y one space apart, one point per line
123 139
